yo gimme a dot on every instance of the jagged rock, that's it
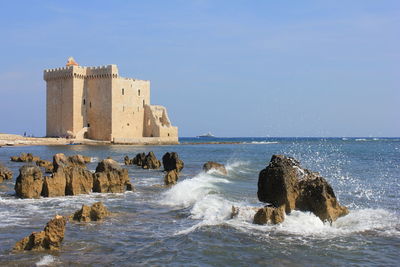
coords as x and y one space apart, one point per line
151 161
87 159
60 160
5 173
29 182
47 165
70 177
284 183
96 212
25 157
127 161
171 161
215 166
138 159
270 215
110 177
171 177
48 239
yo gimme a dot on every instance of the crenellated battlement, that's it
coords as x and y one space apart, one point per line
81 72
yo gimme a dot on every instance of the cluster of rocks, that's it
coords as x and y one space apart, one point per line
173 165
148 161
25 157
211 165
48 239
286 186
5 173
53 233
71 177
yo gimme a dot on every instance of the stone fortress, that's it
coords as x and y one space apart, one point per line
96 103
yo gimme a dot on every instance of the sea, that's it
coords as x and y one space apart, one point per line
190 224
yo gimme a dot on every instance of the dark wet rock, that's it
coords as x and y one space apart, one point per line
29 182
96 212
285 184
171 177
47 165
151 161
110 177
269 215
211 165
171 161
48 239
138 159
25 157
127 161
5 173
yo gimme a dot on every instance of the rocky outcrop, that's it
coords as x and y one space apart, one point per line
171 161
29 183
211 165
171 177
269 215
25 157
285 184
110 177
127 161
96 212
70 177
151 161
47 165
138 159
5 173
48 239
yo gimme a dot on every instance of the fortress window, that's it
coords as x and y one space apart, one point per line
88 125
168 134
84 102
127 124
90 104
123 92
138 92
143 103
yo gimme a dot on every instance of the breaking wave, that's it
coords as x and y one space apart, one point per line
46 261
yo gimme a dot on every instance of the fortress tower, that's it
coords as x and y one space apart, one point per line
96 103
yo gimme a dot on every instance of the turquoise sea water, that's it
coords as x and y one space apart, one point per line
190 225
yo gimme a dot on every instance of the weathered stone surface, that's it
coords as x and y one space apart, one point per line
29 182
48 239
60 160
127 161
171 177
70 177
47 165
171 161
87 159
110 177
54 186
25 157
138 159
151 161
284 183
211 165
5 173
96 212
269 215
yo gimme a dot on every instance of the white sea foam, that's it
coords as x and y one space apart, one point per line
94 159
263 142
46 260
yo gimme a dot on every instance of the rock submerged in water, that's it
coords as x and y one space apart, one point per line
5 173
71 177
148 161
96 212
29 183
171 161
286 185
110 177
269 215
171 177
211 165
25 157
48 239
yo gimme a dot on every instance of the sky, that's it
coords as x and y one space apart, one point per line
235 68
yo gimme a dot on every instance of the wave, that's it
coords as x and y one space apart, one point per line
263 142
45 261
208 206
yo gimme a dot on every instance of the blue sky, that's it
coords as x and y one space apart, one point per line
235 68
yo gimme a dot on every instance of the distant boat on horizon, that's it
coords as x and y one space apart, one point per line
207 135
